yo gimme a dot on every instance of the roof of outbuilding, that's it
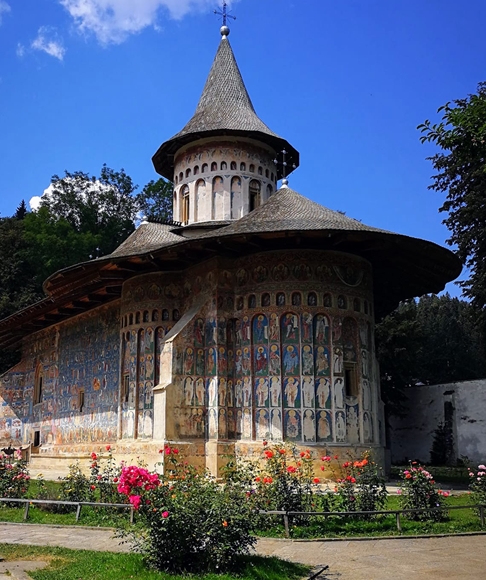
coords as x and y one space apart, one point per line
225 108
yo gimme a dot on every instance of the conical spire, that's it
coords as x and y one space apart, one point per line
225 108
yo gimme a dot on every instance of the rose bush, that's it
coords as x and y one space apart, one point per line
418 491
189 523
477 484
14 476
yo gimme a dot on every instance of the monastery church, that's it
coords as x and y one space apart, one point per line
249 318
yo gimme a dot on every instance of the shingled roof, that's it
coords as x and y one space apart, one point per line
225 108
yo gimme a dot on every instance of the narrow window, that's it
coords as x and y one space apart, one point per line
214 166
312 299
181 176
224 166
255 194
266 299
131 319
252 168
242 166
188 173
38 385
205 168
252 301
175 315
260 171
81 400
296 299
137 318
146 316
125 388
36 438
165 314
350 382
185 205
281 299
233 166
267 173
196 170
155 315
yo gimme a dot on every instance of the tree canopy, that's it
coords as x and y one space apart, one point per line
429 341
461 175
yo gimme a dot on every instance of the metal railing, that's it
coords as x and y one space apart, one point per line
396 513
79 505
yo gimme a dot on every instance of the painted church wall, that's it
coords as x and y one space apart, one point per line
282 347
429 405
67 390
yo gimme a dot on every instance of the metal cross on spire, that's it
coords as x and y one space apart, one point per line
284 164
224 14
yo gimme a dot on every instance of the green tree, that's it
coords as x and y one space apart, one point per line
461 175
155 200
104 207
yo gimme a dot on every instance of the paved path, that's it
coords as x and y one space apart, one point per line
448 558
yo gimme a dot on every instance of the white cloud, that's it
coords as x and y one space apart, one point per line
4 8
52 46
20 50
113 20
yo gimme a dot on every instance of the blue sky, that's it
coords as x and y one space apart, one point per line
87 82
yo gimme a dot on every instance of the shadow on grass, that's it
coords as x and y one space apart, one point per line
67 564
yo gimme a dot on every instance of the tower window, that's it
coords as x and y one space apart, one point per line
252 168
196 170
233 166
255 194
242 166
260 171
188 173
205 168
214 166
181 176
185 205
224 166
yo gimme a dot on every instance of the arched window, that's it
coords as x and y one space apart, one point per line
218 198
296 299
252 301
204 168
272 177
312 299
165 314
200 193
269 191
214 166
196 170
224 166
185 204
236 198
137 318
145 316
131 319
155 315
260 170
175 315
188 173
267 173
266 299
255 194
252 168
181 176
281 299
176 179
242 166
233 166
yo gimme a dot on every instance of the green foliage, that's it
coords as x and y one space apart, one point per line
104 477
14 476
155 200
65 564
442 452
190 523
433 340
76 486
477 484
418 492
461 175
361 486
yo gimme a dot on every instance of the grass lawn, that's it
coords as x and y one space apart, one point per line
464 520
81 564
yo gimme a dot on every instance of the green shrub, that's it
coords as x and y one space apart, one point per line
75 486
418 492
104 478
189 522
14 476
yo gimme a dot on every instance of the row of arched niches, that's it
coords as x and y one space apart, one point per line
294 376
255 301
